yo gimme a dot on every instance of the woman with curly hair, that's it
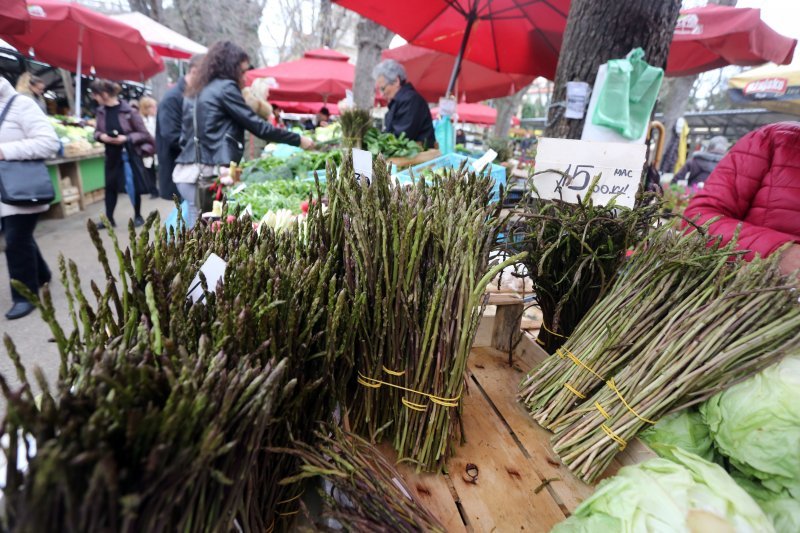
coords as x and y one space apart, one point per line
215 116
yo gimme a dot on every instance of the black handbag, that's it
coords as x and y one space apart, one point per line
24 183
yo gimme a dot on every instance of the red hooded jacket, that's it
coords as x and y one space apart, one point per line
757 186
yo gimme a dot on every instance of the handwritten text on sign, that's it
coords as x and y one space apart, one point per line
578 162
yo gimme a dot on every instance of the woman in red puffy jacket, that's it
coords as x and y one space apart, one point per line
756 186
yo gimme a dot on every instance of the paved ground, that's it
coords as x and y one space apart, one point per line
68 237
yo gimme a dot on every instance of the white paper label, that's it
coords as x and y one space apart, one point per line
348 97
214 270
447 106
577 98
239 188
484 160
362 163
619 165
247 211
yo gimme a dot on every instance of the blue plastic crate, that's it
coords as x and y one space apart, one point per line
497 172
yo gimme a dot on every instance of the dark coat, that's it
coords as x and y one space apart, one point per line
222 117
698 167
409 113
168 137
132 127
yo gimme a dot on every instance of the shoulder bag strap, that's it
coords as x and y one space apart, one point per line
196 134
7 109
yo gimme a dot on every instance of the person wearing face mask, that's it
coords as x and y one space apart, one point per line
215 116
122 130
408 111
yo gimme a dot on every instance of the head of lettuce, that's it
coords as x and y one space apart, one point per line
677 492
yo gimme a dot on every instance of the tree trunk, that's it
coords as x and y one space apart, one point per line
507 107
325 23
676 92
372 39
599 31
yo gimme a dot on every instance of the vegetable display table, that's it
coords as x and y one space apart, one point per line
78 181
506 476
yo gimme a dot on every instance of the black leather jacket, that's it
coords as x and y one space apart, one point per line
222 117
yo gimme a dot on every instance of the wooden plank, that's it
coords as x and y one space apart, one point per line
431 490
500 383
504 497
506 329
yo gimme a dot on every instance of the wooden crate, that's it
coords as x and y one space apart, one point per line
70 207
521 484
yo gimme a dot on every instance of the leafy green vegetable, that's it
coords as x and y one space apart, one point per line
274 195
389 145
686 430
680 492
300 164
780 507
756 425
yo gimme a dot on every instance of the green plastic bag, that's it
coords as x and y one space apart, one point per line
628 95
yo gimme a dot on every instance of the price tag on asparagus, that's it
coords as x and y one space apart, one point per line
362 164
213 270
566 168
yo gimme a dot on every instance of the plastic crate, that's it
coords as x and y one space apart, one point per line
497 172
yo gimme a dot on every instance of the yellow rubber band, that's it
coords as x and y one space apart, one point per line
539 341
551 332
563 352
412 405
574 391
289 514
602 411
393 372
290 499
376 384
613 436
613 386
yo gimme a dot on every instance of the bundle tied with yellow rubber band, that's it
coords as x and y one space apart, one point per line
377 384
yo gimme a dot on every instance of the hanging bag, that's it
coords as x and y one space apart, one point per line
206 191
24 183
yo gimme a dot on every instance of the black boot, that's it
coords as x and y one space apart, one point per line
19 310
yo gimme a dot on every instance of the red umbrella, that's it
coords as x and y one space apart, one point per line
475 114
76 38
714 36
304 108
320 75
519 36
429 72
14 19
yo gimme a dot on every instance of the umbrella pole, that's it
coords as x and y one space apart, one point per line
78 75
457 65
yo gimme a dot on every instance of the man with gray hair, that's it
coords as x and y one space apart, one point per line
408 111
701 164
168 129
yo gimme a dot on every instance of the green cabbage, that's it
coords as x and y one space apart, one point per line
756 425
678 492
686 430
780 507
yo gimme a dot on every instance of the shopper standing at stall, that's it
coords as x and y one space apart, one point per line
408 111
148 108
215 116
25 134
33 87
122 130
755 191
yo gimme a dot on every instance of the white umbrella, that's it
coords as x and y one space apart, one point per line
164 41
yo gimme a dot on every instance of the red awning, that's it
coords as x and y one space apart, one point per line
715 36
429 72
60 33
304 108
504 35
14 18
319 76
475 114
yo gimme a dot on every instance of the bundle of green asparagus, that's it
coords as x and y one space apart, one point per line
355 125
165 409
365 492
574 253
629 370
668 275
420 254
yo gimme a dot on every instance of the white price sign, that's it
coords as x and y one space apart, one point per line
213 270
362 163
578 162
